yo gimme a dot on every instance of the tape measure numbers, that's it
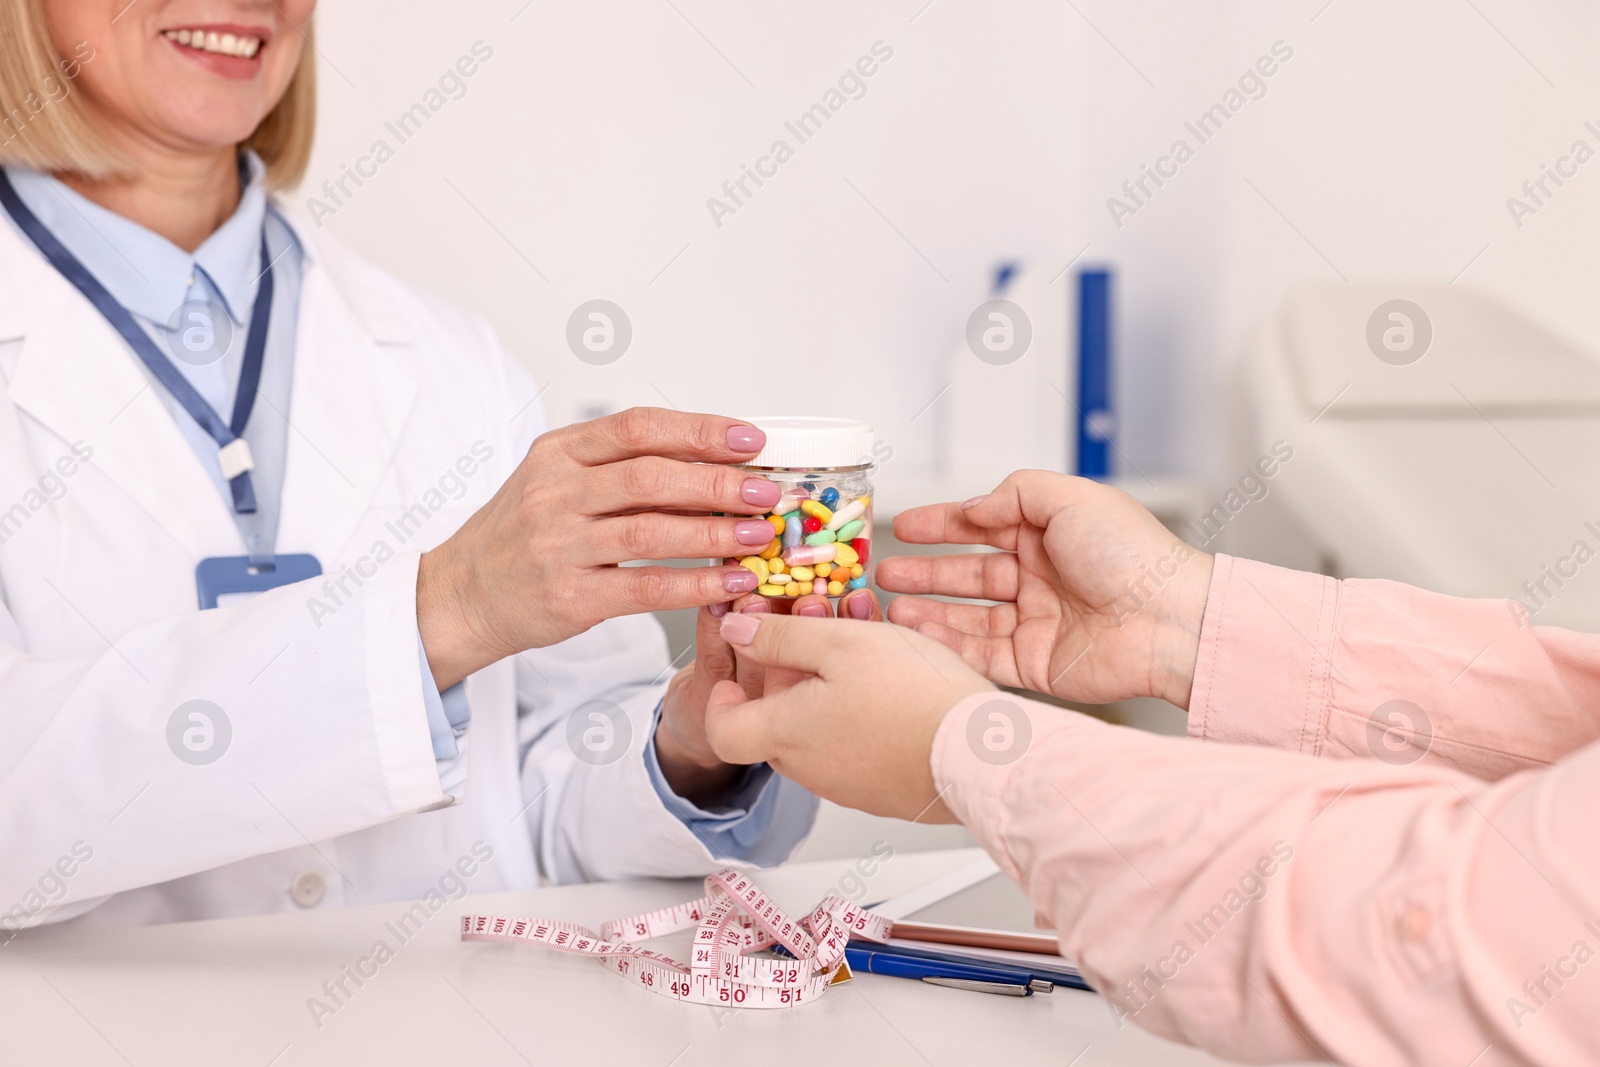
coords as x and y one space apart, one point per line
732 920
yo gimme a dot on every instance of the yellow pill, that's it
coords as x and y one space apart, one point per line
756 566
779 579
770 590
771 550
802 574
776 565
835 588
823 569
792 589
817 510
805 588
846 555
857 570
777 523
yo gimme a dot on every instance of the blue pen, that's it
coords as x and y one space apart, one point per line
1020 972
1003 979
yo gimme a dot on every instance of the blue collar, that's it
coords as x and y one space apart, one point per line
145 272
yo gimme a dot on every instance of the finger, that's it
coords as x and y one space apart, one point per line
808 645
713 656
656 536
992 657
632 590
1035 497
679 435
860 604
737 727
976 575
813 606
947 524
748 673
976 619
648 482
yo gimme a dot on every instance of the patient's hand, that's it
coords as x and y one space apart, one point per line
1097 600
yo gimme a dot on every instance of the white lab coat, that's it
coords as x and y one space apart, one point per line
329 782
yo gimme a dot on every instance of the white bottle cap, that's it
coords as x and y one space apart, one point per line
803 442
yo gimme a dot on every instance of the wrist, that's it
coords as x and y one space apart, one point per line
453 648
1182 618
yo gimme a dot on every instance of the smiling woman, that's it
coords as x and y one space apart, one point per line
154 63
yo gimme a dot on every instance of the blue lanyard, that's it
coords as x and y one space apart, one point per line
233 452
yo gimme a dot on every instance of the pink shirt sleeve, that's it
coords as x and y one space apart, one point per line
1376 668
1268 905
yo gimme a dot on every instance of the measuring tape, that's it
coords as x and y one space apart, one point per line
732 919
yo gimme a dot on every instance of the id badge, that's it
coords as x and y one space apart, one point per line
225 580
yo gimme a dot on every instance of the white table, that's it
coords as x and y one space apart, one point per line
235 991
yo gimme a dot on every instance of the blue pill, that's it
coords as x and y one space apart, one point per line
830 498
792 530
858 583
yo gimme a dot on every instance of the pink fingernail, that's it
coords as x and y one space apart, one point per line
719 609
974 502
860 607
754 531
740 581
746 439
814 610
760 493
739 629
756 607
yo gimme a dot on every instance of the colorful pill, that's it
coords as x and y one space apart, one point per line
845 554
811 524
858 583
805 588
777 566
823 569
777 524
779 579
862 545
770 590
805 555
856 569
821 537
835 588
790 501
817 510
829 497
802 574
792 589
772 549
756 566
849 513
792 533
850 530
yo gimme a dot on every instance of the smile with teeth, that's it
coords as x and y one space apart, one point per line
222 43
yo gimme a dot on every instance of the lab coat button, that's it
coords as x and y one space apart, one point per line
308 889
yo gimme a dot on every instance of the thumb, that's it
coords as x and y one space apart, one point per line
797 642
735 727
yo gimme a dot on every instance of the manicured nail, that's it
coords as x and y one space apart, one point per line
860 607
754 532
758 606
739 629
719 609
974 502
760 493
746 439
740 581
813 610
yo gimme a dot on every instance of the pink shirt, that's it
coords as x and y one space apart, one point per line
1316 885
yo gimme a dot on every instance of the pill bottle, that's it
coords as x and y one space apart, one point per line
824 518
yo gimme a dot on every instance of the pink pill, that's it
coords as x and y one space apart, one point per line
806 555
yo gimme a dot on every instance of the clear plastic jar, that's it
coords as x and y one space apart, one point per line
824 520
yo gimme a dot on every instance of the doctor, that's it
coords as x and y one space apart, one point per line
300 604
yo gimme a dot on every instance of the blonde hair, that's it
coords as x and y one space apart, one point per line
46 126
